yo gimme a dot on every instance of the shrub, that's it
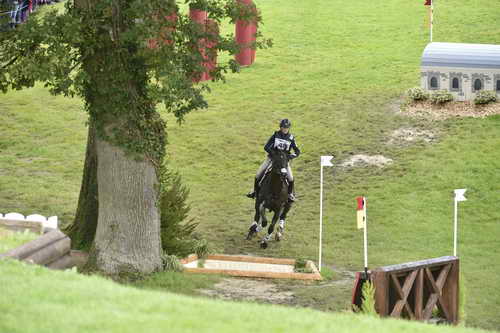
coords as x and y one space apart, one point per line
441 97
368 305
417 94
177 235
485 97
171 263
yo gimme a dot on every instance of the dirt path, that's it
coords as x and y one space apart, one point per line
327 295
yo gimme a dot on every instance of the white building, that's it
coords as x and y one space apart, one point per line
462 69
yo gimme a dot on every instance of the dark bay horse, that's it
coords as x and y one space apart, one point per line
273 195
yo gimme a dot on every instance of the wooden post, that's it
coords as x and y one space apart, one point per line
381 283
450 296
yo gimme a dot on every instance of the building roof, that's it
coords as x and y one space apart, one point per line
461 55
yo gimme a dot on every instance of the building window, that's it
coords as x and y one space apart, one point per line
455 84
498 85
478 85
434 83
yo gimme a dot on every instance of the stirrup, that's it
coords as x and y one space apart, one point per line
291 197
251 195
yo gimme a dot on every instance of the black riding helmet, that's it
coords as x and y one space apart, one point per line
285 123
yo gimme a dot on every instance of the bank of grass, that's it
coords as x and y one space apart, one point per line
69 302
10 240
336 70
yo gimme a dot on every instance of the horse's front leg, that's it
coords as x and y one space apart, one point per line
281 226
256 225
267 238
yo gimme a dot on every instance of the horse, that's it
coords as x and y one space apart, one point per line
273 195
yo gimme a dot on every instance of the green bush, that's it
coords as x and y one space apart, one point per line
485 97
441 97
417 94
171 263
177 235
368 305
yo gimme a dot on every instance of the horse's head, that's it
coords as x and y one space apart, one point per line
279 159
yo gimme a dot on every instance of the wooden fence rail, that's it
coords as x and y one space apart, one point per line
413 290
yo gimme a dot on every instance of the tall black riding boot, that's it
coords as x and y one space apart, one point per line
255 189
291 195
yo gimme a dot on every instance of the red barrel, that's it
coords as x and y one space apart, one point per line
245 37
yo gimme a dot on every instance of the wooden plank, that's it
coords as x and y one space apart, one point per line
419 295
431 302
410 266
258 260
29 248
18 225
256 274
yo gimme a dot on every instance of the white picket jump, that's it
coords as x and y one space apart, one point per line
50 222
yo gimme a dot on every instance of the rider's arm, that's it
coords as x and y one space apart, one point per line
295 148
269 145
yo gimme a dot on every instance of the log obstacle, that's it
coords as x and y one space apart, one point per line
52 249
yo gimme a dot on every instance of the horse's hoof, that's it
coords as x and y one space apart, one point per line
278 236
263 245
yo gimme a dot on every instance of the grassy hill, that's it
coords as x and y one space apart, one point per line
337 71
69 302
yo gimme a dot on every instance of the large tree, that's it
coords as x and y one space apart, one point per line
123 57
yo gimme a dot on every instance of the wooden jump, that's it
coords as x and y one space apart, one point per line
412 290
315 275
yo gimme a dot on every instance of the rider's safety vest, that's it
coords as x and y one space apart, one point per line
280 141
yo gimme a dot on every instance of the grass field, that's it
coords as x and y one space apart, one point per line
68 302
337 70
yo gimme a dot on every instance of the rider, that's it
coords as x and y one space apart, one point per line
280 140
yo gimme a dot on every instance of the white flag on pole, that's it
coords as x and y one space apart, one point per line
459 195
326 160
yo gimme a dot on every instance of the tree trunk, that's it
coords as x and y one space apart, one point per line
128 229
82 231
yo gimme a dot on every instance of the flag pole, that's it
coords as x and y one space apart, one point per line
325 161
455 227
320 215
365 236
459 196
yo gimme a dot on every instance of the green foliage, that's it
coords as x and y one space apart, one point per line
177 235
123 58
485 97
301 266
201 248
440 97
368 304
171 263
417 94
